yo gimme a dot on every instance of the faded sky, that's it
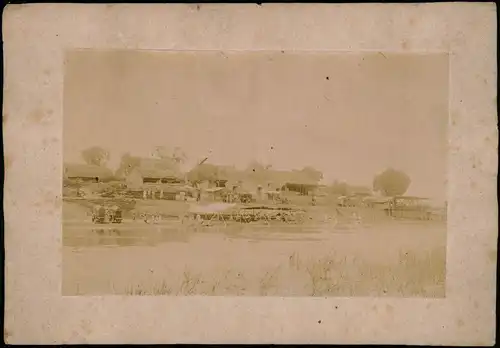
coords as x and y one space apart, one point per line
349 115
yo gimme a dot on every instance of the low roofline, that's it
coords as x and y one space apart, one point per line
411 197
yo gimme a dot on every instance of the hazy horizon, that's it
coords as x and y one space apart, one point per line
349 115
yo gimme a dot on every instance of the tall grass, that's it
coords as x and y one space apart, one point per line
413 275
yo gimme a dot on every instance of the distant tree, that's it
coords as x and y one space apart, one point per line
127 164
391 182
340 188
95 155
312 173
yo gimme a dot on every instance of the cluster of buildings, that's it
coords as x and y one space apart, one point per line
162 178
153 178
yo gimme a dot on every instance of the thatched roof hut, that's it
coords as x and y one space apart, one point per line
163 175
87 172
156 169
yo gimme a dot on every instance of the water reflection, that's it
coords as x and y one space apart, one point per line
122 237
79 235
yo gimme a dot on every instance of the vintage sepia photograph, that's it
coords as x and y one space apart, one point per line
255 173
252 173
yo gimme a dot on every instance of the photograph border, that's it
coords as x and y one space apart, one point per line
36 37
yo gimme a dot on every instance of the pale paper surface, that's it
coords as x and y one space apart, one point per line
35 39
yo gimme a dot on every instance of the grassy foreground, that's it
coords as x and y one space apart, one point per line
329 276
402 263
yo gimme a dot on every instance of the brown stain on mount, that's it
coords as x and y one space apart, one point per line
492 256
39 117
7 162
85 325
6 335
47 142
476 162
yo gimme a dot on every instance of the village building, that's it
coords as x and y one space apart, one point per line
211 176
355 190
292 181
155 178
262 185
83 179
86 173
